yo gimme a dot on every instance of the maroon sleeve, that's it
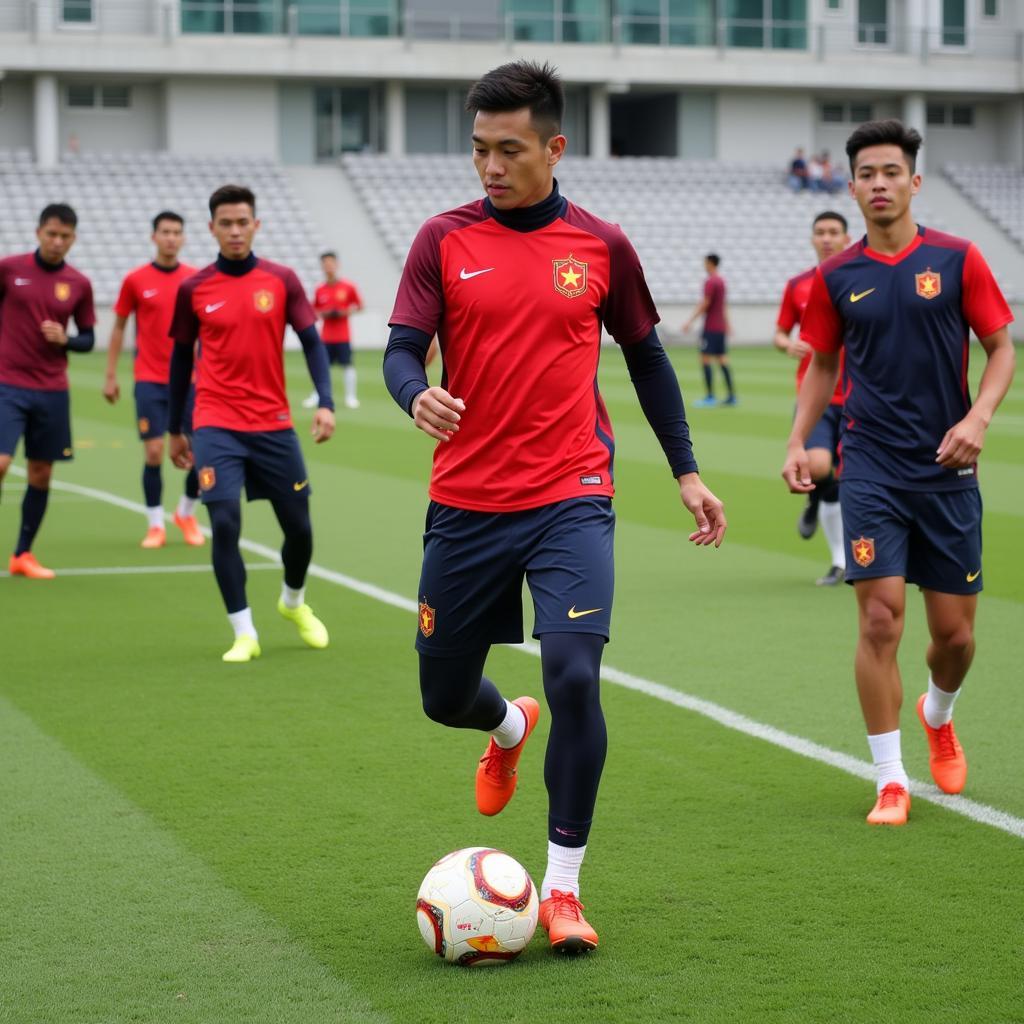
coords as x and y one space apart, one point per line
298 311
185 323
629 313
126 300
420 299
821 326
983 303
788 312
84 312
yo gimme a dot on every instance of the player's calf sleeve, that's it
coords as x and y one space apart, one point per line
828 489
33 508
192 484
709 380
297 549
228 567
152 485
456 693
727 374
571 664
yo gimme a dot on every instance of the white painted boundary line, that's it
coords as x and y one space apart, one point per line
143 570
971 809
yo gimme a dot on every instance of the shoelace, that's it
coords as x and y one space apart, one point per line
494 764
890 795
946 740
566 904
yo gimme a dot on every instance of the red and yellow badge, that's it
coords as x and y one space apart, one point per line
207 478
863 551
263 300
143 425
62 290
929 284
570 276
428 618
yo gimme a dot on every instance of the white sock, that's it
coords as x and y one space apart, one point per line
888 758
186 506
293 598
350 382
938 705
831 518
563 871
512 728
155 515
241 623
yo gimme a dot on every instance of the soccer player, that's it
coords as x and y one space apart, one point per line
237 308
334 301
828 236
901 303
713 336
39 294
149 292
517 286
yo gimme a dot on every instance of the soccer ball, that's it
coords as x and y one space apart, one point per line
477 907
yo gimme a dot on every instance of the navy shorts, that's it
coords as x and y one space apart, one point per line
151 409
339 353
712 343
826 432
268 462
931 538
471 586
43 418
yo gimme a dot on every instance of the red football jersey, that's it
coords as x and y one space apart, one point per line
30 293
341 296
240 323
149 292
518 315
791 312
714 292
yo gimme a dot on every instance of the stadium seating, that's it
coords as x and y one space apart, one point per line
996 190
117 194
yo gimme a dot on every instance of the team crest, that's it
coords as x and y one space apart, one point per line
62 290
863 551
428 618
143 425
570 276
264 300
929 284
207 478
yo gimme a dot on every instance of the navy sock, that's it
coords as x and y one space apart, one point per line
152 485
297 549
709 383
727 374
228 567
192 484
33 507
456 693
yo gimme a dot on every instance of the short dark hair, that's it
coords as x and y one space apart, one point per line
522 83
228 194
890 132
713 258
61 212
329 252
168 215
831 215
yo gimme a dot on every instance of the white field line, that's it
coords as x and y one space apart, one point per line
143 570
971 809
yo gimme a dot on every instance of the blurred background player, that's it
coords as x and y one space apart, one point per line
336 299
39 294
828 236
238 308
901 303
713 336
149 292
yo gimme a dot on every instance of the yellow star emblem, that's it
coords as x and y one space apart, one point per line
570 278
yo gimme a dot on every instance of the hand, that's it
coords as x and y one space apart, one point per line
180 452
111 389
323 425
437 413
687 326
962 444
707 511
53 332
798 349
796 470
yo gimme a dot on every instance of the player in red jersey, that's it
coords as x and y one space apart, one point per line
828 236
517 287
237 308
335 300
39 294
714 336
149 292
901 303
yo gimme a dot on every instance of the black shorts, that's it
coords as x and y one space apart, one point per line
712 343
339 353
471 585
268 462
43 418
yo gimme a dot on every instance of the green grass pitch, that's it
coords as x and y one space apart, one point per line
186 841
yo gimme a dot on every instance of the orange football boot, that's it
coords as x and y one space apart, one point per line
25 564
562 916
892 806
945 755
496 773
190 530
156 537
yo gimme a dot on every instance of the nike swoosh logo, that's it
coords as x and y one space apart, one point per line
856 298
215 307
467 274
20 282
573 614
301 485
149 294
972 576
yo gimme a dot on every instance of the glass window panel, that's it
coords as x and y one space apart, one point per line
692 22
873 21
954 22
991 9
962 116
355 119
372 17
202 15
746 22
641 21
833 113
318 18
80 95
426 120
116 96
860 112
585 21
255 17
835 5
76 12
789 24
936 113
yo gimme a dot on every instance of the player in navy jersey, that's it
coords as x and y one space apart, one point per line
901 304
517 287
39 294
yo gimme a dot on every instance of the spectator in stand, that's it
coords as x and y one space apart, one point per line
797 177
831 182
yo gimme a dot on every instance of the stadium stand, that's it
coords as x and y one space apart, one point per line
997 190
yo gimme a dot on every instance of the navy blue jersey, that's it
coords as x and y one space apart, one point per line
904 322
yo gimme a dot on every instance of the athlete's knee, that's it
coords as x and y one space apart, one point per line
572 669
955 637
447 689
5 464
225 520
881 622
294 519
39 474
154 451
819 461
